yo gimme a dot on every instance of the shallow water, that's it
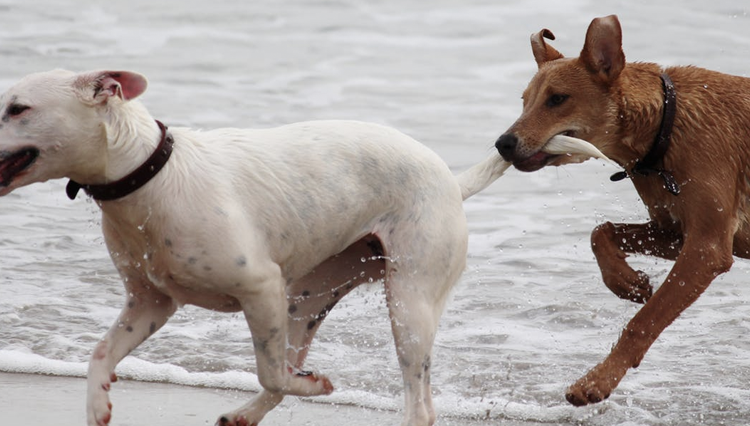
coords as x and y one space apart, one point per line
530 314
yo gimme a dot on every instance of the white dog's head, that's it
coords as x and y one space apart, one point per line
52 124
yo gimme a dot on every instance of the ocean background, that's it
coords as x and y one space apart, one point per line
530 314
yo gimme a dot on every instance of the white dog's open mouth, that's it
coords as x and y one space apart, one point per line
12 164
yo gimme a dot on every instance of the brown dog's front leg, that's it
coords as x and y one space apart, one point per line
611 244
702 258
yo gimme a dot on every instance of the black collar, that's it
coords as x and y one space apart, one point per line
136 179
649 163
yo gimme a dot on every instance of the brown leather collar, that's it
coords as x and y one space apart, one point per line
649 163
136 179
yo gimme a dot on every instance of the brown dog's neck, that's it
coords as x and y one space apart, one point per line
640 102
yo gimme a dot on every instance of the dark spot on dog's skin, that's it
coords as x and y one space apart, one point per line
192 260
241 261
260 345
322 314
129 329
426 363
237 284
292 309
311 324
403 362
207 268
168 242
152 328
131 304
336 293
305 293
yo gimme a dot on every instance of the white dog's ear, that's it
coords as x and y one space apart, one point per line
98 87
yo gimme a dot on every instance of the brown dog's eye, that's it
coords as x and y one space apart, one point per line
17 109
556 99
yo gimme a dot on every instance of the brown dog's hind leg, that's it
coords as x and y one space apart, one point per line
705 255
611 244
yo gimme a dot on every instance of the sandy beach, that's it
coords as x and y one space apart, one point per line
49 400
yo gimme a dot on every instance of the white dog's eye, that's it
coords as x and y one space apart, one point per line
17 109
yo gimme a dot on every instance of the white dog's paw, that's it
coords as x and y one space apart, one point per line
99 407
311 384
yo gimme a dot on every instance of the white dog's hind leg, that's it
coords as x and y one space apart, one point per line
310 299
418 283
414 323
146 311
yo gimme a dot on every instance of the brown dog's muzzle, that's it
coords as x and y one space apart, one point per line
513 150
506 146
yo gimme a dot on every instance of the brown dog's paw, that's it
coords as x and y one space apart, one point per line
594 387
580 395
239 421
629 285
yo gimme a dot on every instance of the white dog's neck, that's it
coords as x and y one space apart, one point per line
132 136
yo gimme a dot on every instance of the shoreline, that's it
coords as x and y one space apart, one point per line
40 399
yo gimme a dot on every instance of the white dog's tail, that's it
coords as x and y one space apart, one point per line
481 175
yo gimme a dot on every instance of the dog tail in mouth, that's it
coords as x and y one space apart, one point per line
484 173
481 175
568 145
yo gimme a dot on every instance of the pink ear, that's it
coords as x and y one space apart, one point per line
126 85
98 86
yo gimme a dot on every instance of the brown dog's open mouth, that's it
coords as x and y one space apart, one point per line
563 148
12 164
535 162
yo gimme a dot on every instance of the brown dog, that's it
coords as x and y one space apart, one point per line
696 187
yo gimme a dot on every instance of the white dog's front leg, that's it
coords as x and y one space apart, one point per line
146 311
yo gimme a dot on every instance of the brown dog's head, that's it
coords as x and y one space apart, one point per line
568 96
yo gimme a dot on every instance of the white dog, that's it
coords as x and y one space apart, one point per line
274 223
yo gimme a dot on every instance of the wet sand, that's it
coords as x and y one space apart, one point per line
50 400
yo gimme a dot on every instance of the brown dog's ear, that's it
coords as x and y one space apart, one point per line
98 86
602 52
542 51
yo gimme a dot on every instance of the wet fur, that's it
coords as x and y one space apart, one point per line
617 106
